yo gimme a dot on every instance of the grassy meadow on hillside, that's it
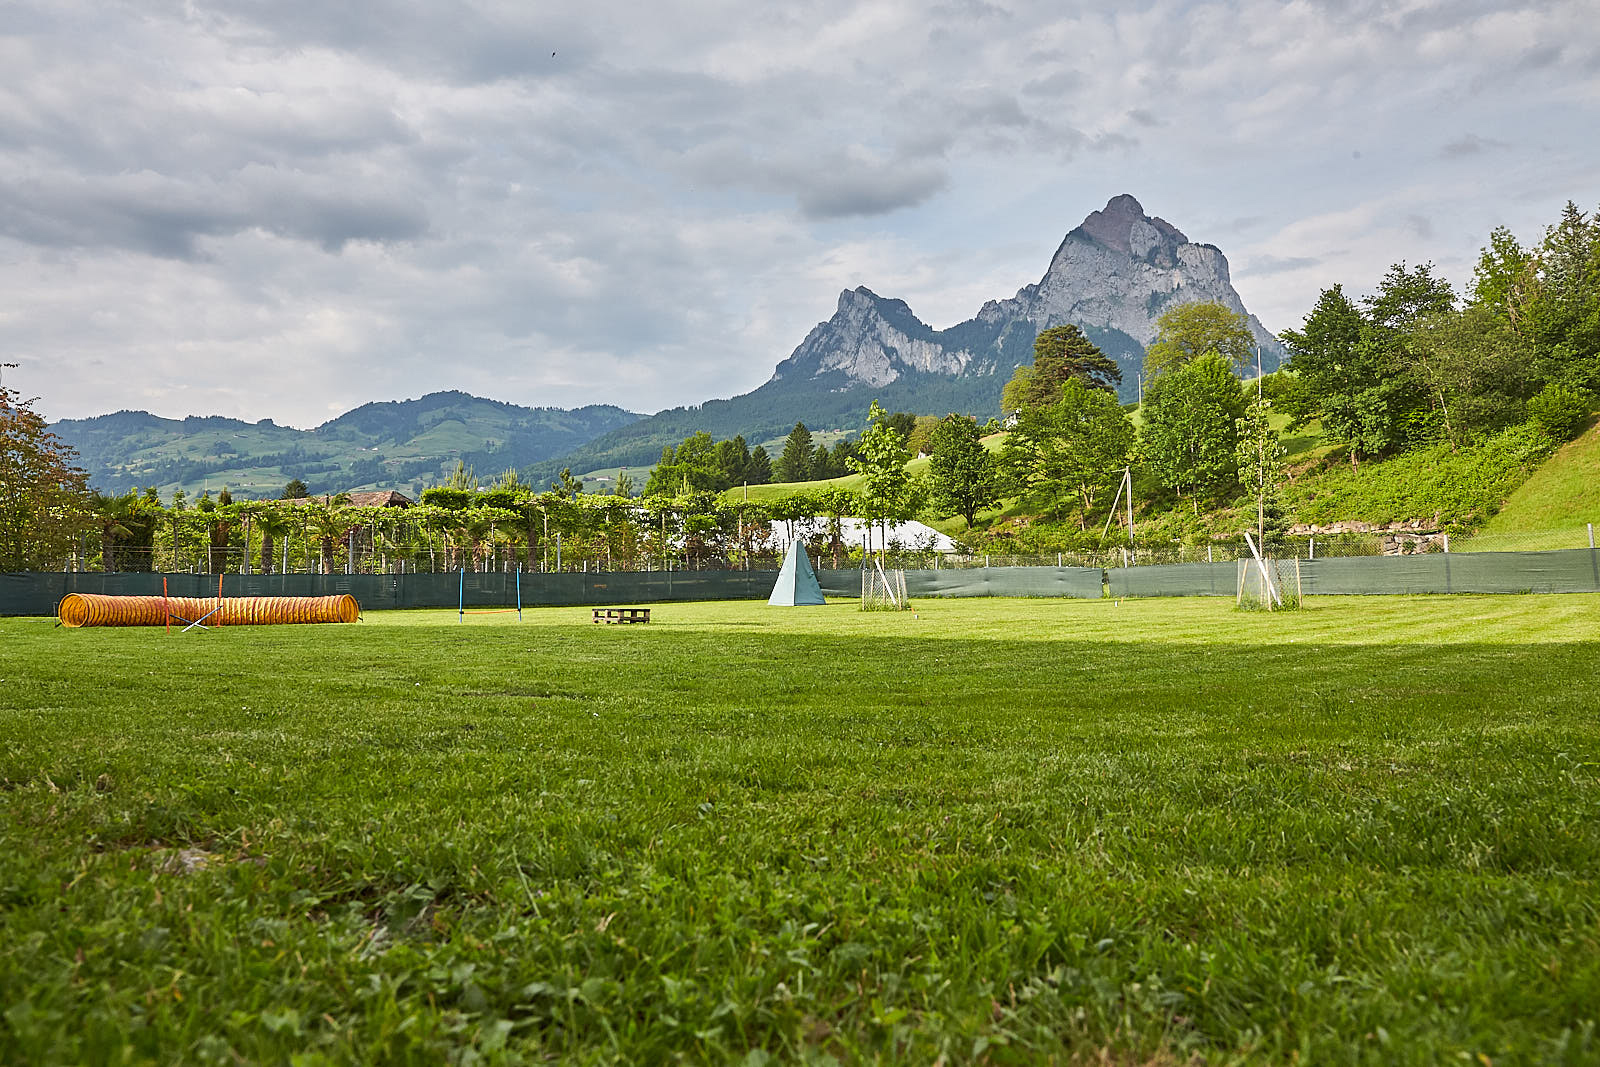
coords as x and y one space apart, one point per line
988 831
1560 497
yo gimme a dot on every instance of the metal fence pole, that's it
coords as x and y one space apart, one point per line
1591 534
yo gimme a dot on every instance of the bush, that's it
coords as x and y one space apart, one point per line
1560 410
1452 486
441 497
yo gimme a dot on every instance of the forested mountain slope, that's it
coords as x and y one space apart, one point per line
403 445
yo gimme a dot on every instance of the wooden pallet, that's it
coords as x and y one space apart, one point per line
621 615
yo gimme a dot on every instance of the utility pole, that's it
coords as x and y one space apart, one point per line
1127 483
1261 468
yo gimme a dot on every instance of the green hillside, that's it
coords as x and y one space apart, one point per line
851 482
1559 498
405 445
1510 476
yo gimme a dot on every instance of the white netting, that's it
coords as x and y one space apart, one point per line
1268 584
883 590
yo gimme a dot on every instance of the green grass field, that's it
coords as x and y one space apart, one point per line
997 831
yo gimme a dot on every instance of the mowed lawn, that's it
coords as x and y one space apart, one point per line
998 831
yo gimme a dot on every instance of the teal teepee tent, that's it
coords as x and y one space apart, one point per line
797 582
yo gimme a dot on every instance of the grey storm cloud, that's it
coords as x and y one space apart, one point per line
1420 225
163 216
565 203
872 190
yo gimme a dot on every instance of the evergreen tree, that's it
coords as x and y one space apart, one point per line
462 478
794 464
843 452
733 460
822 464
566 486
760 471
902 423
1059 353
1351 369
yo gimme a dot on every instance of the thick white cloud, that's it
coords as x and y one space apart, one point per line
285 208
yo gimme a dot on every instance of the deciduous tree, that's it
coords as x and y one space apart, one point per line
1190 431
961 471
1070 451
1259 457
886 486
43 498
1186 332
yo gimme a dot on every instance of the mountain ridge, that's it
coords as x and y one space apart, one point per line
399 444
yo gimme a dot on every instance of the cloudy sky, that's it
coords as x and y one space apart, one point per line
285 208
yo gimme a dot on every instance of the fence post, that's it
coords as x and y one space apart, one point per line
1591 534
1313 548
1447 540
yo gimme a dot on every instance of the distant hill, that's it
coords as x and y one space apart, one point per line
405 445
1112 275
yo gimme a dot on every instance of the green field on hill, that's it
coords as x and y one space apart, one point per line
989 831
1560 497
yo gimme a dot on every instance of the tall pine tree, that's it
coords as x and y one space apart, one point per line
794 465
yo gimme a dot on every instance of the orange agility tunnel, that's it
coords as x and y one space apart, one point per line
100 609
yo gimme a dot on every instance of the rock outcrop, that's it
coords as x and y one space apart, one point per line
1113 275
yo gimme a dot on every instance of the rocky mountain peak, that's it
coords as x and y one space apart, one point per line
1113 275
1122 226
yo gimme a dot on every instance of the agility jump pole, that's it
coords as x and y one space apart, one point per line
207 615
461 599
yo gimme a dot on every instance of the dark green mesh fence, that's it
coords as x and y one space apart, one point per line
1566 571
38 593
979 581
1175 579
